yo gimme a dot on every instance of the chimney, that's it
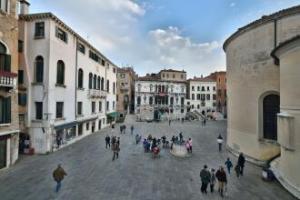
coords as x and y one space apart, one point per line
24 10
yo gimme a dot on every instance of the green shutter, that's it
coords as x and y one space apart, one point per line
7 63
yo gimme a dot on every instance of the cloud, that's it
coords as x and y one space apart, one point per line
232 4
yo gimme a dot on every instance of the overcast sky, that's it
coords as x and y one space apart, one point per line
155 34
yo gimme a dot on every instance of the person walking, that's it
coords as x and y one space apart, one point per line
205 179
237 170
222 180
121 129
107 141
190 145
228 164
241 163
132 129
220 142
58 175
180 138
212 180
116 149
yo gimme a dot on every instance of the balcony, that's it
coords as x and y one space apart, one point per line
97 93
8 79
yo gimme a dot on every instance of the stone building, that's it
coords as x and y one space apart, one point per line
201 95
221 98
161 96
9 123
70 85
125 89
263 95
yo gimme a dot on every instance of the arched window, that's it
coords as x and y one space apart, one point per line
98 82
102 84
5 59
95 82
80 78
90 81
39 69
138 101
60 74
150 100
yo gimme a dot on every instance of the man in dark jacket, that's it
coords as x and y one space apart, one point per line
107 142
222 179
58 175
241 163
205 179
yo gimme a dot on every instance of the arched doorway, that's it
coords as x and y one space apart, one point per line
271 105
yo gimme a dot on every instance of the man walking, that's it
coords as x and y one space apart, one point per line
222 179
107 141
58 175
116 149
212 180
132 129
205 179
220 142
241 163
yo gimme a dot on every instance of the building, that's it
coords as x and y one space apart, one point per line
263 99
125 89
70 85
220 79
201 95
161 96
9 123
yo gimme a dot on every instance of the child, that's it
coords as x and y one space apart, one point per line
228 164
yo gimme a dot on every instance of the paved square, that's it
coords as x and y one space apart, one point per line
135 175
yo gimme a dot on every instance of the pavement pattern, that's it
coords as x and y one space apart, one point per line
92 175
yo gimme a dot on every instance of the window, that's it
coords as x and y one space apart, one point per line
60 76
94 56
151 87
100 106
208 97
5 60
207 88
139 87
20 46
90 81
39 30
202 97
61 34
173 75
22 99
103 62
182 101
150 100
172 100
138 101
167 75
114 104
214 88
198 88
102 84
20 77
39 110
198 106
114 88
198 96
193 96
98 83
87 126
203 88
39 69
163 75
219 92
193 88
80 78
107 105
79 108
114 70
59 109
107 85
117 97
182 77
214 97
5 110
81 48
95 82
93 107
122 75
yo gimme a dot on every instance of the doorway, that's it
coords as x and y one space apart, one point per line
271 107
2 153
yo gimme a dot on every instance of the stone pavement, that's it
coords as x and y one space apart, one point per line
135 175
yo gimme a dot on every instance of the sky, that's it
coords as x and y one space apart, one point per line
151 35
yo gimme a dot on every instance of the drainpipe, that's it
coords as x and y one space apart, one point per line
76 71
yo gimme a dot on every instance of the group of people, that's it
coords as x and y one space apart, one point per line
113 142
210 177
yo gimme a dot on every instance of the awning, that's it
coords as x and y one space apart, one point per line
66 125
113 114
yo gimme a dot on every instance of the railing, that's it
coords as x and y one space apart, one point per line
97 93
8 79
